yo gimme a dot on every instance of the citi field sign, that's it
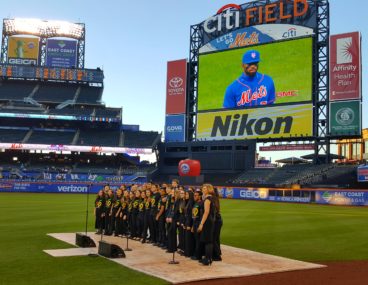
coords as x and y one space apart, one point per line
233 16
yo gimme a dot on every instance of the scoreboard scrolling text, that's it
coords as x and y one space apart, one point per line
31 72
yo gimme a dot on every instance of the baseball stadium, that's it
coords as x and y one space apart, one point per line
88 198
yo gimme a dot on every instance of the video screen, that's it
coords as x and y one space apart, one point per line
263 75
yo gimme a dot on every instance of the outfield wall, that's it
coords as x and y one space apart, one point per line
54 187
325 196
320 196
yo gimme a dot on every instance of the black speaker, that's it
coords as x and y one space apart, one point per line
110 250
84 241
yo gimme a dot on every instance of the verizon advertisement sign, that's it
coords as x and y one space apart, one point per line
176 87
345 67
287 147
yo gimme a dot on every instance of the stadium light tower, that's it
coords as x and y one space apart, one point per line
44 30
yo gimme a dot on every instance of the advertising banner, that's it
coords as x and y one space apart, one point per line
23 50
345 67
244 193
271 122
283 75
353 198
287 147
175 128
59 117
59 147
363 173
61 53
254 35
290 199
53 187
345 118
261 194
176 87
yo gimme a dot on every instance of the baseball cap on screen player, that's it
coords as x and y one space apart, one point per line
251 56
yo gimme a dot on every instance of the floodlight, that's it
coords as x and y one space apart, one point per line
42 28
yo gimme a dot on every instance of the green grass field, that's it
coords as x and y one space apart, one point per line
289 63
304 232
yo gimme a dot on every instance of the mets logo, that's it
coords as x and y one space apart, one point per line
185 168
31 45
253 55
176 82
344 116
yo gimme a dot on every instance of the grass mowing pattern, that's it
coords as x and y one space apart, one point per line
304 232
24 222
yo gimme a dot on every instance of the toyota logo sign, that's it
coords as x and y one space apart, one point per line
176 82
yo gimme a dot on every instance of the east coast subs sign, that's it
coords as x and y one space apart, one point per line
233 16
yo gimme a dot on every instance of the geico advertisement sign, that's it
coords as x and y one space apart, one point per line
22 61
270 122
253 194
23 48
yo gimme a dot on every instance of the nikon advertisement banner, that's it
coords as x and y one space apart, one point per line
23 50
345 118
271 122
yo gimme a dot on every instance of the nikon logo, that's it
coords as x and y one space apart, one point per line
240 125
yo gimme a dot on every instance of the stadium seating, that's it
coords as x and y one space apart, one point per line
12 135
51 137
99 137
140 139
108 112
15 90
287 175
55 92
72 112
335 174
254 176
90 95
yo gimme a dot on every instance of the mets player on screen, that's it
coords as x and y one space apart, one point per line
251 88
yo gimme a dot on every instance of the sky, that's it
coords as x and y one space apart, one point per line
133 40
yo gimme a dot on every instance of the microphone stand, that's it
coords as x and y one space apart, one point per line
87 202
87 212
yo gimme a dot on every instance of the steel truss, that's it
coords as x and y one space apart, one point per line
320 88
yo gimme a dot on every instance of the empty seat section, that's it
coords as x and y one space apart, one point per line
108 112
99 137
73 112
51 137
140 139
15 90
12 135
55 92
90 95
